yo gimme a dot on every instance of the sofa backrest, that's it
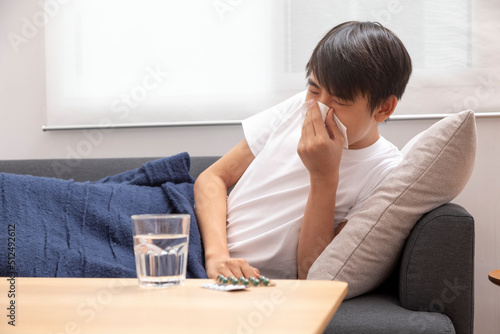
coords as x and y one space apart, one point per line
89 169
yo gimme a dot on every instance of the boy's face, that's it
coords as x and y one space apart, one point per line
361 124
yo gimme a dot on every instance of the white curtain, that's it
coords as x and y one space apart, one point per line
158 61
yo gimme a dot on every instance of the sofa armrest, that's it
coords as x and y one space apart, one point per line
437 266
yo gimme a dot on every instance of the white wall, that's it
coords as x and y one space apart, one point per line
22 100
22 86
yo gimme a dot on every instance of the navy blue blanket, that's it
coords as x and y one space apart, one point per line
83 229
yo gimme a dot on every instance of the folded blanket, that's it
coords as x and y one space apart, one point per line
83 229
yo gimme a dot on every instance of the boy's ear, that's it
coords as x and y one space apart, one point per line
386 109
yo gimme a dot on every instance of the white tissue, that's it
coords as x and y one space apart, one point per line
343 130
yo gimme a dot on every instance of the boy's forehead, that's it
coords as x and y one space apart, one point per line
311 80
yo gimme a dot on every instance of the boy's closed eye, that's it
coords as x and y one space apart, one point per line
316 90
313 92
337 101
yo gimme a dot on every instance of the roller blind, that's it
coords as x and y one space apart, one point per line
156 61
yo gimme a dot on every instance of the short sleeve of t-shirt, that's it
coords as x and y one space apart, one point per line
259 127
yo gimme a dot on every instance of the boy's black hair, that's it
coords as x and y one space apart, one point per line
361 58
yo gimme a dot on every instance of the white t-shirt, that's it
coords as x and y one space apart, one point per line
266 207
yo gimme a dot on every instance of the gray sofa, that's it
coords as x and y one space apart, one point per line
431 291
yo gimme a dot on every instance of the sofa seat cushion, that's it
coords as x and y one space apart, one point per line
381 313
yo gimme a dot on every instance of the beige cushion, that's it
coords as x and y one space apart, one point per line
433 172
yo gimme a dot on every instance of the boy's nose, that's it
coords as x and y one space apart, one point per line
325 100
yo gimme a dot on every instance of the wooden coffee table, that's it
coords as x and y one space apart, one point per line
494 276
93 305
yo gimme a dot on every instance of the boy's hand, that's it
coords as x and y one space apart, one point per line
227 266
320 148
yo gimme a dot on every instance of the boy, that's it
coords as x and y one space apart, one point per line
295 186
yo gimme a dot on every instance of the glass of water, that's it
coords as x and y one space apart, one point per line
161 248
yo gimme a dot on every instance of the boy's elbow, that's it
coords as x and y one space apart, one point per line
201 183
199 180
208 184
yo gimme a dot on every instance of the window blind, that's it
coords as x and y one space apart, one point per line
176 62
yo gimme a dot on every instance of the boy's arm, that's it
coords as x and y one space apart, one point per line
210 193
321 154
